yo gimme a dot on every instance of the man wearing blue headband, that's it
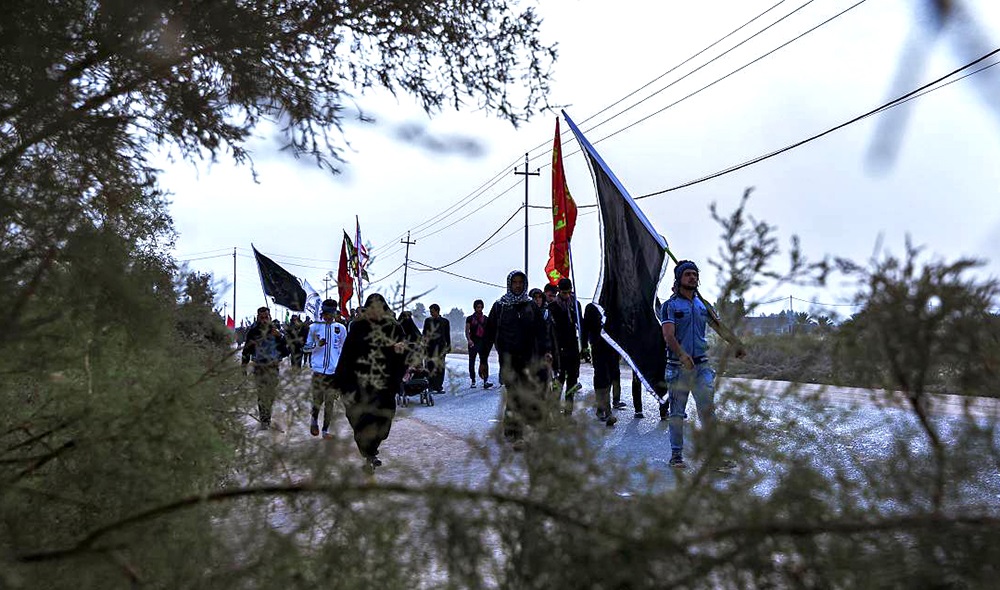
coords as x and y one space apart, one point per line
684 318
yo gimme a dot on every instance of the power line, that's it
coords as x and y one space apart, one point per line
204 258
736 71
471 196
397 269
488 203
431 269
438 218
821 304
792 297
285 263
293 257
481 244
713 60
717 80
569 133
441 217
891 104
192 254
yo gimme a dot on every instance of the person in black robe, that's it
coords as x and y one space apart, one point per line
437 344
369 375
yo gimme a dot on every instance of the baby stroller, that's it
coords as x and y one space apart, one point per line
416 381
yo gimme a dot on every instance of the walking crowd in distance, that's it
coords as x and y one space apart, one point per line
372 359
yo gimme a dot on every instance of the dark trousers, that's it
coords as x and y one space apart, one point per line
371 424
479 350
323 396
435 366
569 371
297 357
636 393
266 378
524 394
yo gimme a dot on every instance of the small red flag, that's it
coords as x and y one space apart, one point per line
563 217
230 323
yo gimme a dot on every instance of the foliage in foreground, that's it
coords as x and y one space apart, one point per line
131 468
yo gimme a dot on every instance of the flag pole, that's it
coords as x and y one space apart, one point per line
234 285
576 316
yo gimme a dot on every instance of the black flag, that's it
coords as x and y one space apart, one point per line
280 284
633 262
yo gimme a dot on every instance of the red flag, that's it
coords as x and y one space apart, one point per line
230 323
563 217
345 284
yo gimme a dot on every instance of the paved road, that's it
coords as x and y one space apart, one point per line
455 438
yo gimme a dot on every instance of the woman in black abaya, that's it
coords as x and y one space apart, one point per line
369 375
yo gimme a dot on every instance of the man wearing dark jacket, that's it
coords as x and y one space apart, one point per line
566 315
266 346
517 328
437 342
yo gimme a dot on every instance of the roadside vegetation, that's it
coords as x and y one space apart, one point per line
128 457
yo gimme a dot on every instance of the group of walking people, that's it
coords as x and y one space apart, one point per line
362 366
543 335
541 338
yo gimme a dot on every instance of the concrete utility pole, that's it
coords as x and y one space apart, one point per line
326 286
234 285
526 174
406 266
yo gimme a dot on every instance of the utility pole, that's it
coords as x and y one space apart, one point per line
326 285
791 314
234 285
525 174
406 266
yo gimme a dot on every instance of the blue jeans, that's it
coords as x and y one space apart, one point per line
680 383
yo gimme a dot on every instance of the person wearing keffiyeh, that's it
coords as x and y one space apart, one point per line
517 328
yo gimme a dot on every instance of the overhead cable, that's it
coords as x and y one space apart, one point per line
891 104
492 181
481 244
431 269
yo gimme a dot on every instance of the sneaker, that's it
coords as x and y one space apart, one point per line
618 405
376 462
610 421
314 428
677 462
725 466
600 415
473 386
487 385
639 416
327 435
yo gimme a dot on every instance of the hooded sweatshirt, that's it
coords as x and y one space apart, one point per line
325 358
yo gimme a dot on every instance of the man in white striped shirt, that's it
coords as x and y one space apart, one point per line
325 341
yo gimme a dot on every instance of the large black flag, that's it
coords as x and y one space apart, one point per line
280 284
633 262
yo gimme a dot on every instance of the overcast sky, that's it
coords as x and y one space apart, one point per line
941 188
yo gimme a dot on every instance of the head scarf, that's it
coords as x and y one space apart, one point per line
510 298
682 266
376 300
